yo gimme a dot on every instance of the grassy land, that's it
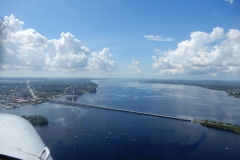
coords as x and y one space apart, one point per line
219 125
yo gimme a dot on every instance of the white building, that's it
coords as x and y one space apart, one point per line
72 90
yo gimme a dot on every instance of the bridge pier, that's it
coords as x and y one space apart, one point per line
114 109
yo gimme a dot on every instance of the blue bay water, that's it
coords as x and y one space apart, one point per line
173 100
132 136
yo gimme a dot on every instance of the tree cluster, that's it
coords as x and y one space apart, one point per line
219 125
36 119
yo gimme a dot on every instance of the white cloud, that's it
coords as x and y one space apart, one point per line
134 67
157 38
27 49
159 52
230 1
213 54
101 61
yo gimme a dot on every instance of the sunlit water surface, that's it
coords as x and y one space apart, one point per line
104 134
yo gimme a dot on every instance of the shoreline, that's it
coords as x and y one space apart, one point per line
205 123
219 126
228 88
31 102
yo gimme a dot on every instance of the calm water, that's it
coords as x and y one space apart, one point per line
146 137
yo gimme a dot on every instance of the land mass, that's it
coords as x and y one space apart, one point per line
219 125
42 90
232 88
36 120
15 92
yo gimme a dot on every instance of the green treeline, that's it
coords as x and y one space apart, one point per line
222 126
36 119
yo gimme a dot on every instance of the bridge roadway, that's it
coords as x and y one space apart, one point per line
71 103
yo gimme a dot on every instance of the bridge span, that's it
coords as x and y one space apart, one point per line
79 104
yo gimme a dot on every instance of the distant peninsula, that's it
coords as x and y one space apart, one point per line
232 88
219 125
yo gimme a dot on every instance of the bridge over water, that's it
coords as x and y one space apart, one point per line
79 104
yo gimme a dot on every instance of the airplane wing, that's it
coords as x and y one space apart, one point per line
19 140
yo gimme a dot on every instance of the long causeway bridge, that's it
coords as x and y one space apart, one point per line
79 104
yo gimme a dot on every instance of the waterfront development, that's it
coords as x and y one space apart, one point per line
121 130
15 92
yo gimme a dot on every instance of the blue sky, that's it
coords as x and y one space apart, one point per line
121 39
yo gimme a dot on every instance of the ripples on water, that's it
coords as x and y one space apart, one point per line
131 136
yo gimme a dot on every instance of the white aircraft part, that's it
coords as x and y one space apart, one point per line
19 139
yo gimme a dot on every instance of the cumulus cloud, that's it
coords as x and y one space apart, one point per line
134 67
157 38
101 61
27 49
213 54
230 1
